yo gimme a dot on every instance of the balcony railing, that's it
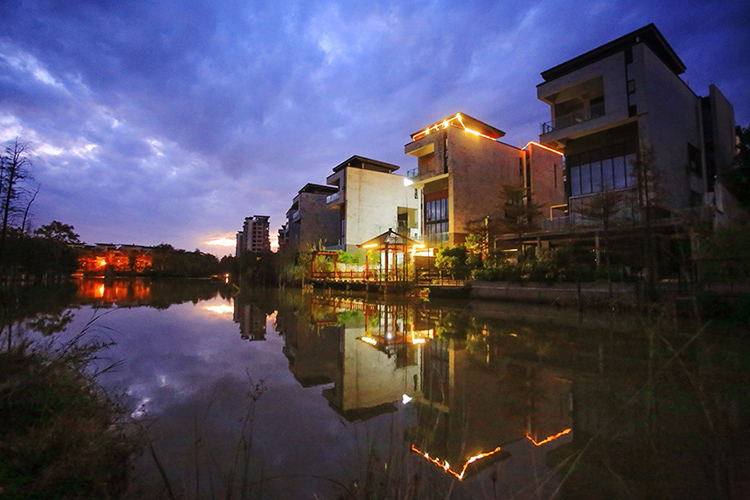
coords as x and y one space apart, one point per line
574 118
333 197
413 173
295 215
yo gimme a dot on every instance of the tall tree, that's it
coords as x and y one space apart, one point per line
58 231
602 209
14 171
518 214
738 178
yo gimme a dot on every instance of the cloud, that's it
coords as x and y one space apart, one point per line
172 121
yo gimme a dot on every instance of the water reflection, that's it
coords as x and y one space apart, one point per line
441 400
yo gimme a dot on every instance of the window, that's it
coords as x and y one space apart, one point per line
601 169
436 220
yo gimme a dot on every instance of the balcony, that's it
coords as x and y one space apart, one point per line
333 198
295 216
574 118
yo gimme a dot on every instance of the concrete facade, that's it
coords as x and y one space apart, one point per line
611 104
309 221
461 161
254 236
369 200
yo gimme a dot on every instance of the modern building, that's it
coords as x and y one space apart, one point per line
615 102
308 220
369 200
254 236
461 170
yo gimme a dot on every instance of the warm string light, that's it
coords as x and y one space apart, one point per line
443 464
548 439
445 124
543 147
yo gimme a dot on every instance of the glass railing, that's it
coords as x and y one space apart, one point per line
574 118
333 197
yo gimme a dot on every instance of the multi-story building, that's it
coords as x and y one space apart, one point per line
461 170
369 200
308 220
614 103
254 236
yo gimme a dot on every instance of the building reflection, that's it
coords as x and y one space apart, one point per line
252 320
468 395
476 397
130 292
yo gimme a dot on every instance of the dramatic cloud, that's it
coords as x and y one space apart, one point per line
171 121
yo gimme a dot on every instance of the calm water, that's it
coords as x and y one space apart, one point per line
284 395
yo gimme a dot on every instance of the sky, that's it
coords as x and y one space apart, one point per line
171 121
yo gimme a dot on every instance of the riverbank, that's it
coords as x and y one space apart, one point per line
60 436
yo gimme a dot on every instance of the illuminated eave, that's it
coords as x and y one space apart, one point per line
534 143
458 121
443 464
548 439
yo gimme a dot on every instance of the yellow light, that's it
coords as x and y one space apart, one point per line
102 262
543 147
371 245
443 464
369 340
418 341
548 439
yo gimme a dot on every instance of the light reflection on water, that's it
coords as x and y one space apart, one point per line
301 394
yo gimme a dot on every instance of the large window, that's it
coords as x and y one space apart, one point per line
436 220
601 169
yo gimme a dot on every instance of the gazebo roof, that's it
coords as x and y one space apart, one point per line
389 237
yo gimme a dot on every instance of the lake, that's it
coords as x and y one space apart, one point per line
279 394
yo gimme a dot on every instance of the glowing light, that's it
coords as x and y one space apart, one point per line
443 464
543 147
221 242
102 262
548 439
220 309
406 399
371 245
369 340
445 124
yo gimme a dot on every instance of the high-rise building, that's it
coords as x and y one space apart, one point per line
254 236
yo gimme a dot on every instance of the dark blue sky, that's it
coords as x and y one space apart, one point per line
170 121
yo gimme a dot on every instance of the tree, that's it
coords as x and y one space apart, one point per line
738 178
518 214
58 231
603 208
649 205
14 171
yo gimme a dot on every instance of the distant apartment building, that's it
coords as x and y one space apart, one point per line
254 236
614 102
461 169
309 221
370 199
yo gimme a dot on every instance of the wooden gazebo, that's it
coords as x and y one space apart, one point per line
390 245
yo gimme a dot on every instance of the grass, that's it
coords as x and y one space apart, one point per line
61 437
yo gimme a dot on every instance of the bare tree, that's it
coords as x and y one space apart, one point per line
14 172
